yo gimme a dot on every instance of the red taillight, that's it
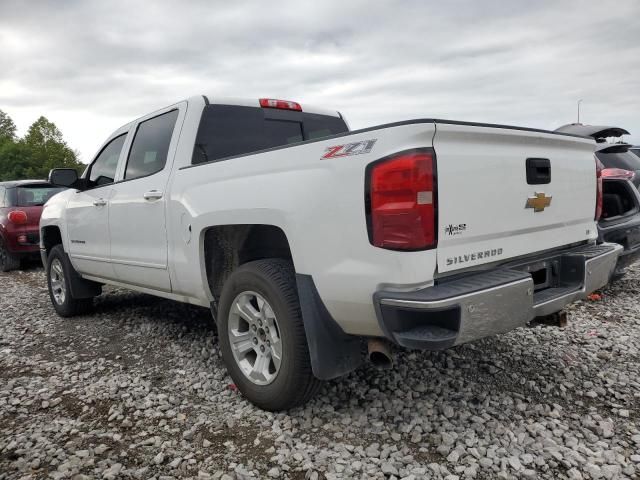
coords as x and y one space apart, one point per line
617 174
402 195
598 189
17 217
281 104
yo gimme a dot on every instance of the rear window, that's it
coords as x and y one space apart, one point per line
626 160
230 130
33 195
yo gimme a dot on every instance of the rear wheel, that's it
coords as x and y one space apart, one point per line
58 276
8 261
262 336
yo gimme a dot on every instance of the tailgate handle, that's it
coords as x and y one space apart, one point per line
538 171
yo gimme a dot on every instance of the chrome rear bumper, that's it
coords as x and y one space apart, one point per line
496 301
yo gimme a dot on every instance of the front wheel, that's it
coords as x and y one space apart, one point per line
262 335
58 281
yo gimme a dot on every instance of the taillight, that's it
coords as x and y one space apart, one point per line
617 174
17 217
281 104
598 189
402 201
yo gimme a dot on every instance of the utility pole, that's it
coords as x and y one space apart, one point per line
579 102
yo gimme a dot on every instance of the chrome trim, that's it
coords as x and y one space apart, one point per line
484 312
505 307
599 269
131 263
556 304
497 310
418 304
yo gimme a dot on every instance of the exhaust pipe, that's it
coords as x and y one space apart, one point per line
379 354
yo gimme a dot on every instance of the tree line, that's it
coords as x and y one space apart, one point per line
38 151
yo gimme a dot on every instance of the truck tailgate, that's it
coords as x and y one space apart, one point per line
488 208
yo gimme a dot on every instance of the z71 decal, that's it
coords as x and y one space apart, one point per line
356 148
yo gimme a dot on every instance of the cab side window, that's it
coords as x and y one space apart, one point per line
103 169
2 201
148 154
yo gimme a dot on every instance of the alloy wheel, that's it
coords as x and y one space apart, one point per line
58 285
254 337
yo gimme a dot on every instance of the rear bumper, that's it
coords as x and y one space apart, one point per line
23 240
496 301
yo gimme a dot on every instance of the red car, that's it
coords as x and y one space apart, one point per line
21 205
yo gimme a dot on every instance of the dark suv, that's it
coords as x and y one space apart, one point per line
620 173
21 205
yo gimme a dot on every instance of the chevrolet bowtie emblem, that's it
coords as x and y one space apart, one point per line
538 202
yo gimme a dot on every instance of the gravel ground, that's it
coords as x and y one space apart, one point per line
138 390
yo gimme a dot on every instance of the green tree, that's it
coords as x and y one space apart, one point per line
42 149
47 149
7 128
15 161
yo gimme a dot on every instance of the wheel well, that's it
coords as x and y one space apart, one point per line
226 247
51 237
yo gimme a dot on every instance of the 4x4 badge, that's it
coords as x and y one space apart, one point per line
538 202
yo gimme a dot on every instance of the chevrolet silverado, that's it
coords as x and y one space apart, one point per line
310 242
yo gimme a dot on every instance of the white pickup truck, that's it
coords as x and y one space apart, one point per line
309 241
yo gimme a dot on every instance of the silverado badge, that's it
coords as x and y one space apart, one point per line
538 202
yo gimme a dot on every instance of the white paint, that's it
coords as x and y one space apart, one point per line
319 204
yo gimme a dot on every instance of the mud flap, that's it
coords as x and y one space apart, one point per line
333 352
80 288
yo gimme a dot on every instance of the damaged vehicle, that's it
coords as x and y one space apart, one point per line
620 174
309 241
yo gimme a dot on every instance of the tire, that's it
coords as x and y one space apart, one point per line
8 261
58 275
277 385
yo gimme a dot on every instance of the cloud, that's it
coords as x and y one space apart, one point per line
92 66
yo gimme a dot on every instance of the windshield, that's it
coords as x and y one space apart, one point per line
34 195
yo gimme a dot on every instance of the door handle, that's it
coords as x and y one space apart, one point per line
538 171
101 202
153 195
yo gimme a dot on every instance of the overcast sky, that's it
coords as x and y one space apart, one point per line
93 66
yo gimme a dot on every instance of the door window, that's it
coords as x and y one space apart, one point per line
2 203
148 154
103 169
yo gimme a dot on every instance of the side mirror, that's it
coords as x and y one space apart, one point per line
64 177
